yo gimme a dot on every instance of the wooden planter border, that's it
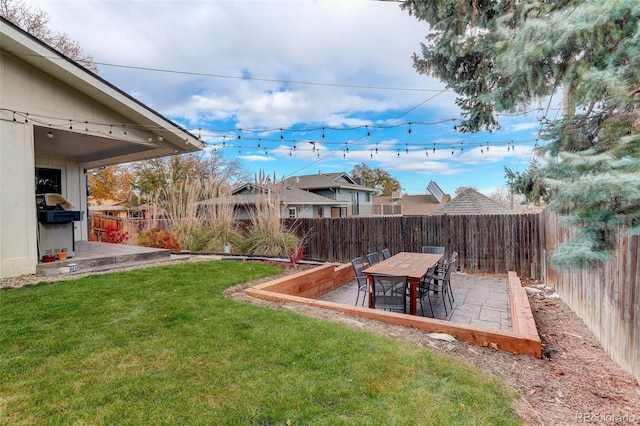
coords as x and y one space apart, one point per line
306 286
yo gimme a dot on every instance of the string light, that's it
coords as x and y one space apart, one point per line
350 146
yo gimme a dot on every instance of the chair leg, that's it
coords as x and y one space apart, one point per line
444 303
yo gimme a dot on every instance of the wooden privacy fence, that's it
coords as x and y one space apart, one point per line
485 244
607 298
99 223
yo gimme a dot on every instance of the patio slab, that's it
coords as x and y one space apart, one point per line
479 300
92 256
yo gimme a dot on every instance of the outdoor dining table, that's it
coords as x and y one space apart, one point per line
412 265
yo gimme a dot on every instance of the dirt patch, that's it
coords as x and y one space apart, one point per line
576 382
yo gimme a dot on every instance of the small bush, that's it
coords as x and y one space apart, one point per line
115 235
159 238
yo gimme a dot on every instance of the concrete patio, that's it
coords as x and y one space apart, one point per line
92 256
481 301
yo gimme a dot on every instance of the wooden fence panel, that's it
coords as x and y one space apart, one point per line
606 298
485 244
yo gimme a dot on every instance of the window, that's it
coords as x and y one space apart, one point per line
293 212
367 197
48 181
135 214
110 213
319 211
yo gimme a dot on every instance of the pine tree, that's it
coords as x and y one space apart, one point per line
503 55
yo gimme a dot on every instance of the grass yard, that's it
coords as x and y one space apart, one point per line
162 345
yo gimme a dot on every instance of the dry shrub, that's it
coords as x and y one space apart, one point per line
159 238
267 234
200 227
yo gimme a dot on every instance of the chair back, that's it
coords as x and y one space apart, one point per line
447 272
358 266
390 291
386 254
373 258
454 257
433 249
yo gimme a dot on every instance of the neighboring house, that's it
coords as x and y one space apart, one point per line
471 202
308 196
120 210
356 199
411 205
57 121
292 202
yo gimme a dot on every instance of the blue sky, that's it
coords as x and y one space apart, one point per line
264 80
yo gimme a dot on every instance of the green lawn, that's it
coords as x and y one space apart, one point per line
162 345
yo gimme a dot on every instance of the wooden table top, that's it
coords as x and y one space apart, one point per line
413 265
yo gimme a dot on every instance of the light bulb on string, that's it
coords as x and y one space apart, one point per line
452 150
368 132
481 150
426 151
86 127
323 133
487 146
124 130
14 117
314 146
409 132
376 148
371 154
281 135
70 125
111 129
406 149
434 148
398 152
50 133
265 151
259 141
26 119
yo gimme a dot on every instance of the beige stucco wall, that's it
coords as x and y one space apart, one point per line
26 89
18 251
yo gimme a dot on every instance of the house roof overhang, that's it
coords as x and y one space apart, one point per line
96 149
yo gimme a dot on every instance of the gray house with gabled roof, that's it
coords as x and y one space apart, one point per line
308 196
340 187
